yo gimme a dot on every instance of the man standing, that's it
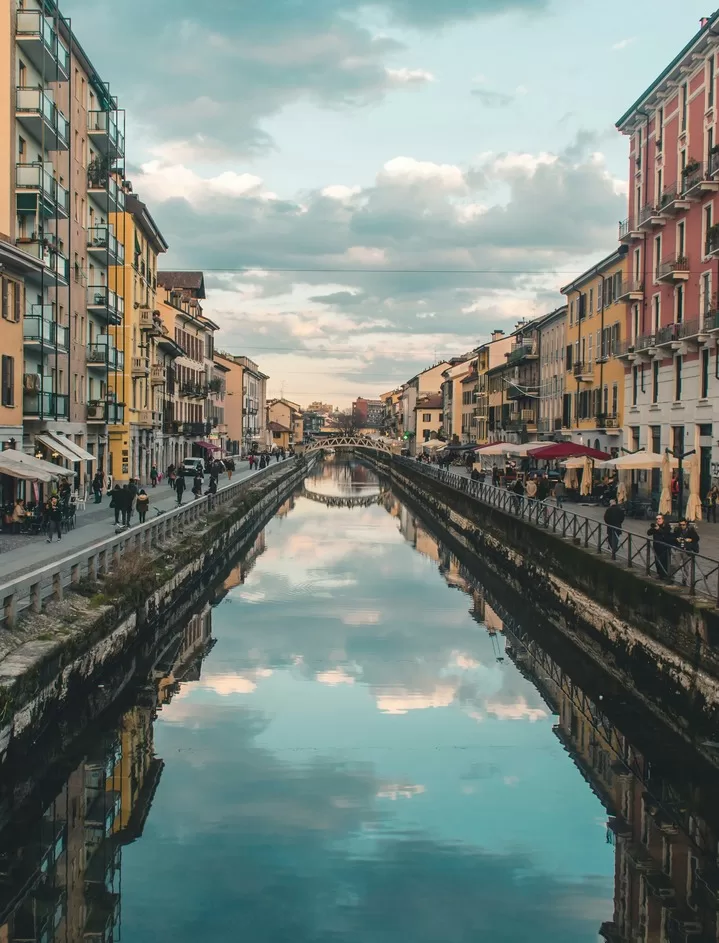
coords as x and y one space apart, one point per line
613 518
133 491
559 493
661 534
180 487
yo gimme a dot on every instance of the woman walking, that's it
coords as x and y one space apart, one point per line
153 476
53 518
142 503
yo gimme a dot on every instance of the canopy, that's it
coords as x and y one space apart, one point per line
640 460
57 446
209 446
455 447
434 444
82 454
694 504
573 463
496 448
15 469
37 468
559 450
586 486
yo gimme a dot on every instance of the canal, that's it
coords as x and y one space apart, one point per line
353 744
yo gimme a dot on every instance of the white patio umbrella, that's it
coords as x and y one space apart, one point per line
570 479
434 444
622 490
587 466
665 499
638 461
694 504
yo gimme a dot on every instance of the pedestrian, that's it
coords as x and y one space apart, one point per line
197 486
133 491
543 488
495 476
142 503
251 460
153 476
64 492
116 502
712 500
518 490
559 493
277 456
263 461
98 483
126 499
53 518
686 540
613 518
230 466
212 488
180 488
172 476
661 534
531 489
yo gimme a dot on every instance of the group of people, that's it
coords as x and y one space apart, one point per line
126 499
263 459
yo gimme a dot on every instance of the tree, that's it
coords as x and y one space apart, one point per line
346 423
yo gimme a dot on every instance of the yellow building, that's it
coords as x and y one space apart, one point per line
138 355
453 398
597 312
284 422
393 420
428 421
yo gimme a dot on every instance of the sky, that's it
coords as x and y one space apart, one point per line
371 187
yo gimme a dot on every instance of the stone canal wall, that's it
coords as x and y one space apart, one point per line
655 639
73 647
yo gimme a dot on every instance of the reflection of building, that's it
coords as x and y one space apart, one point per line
182 659
240 573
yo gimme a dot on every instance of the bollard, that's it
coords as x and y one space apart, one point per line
57 587
10 610
75 573
35 598
102 562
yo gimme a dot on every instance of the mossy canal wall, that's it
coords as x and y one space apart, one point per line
75 645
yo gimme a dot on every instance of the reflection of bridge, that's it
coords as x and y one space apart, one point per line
337 501
348 442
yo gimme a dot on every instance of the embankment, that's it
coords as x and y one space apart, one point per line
80 642
657 641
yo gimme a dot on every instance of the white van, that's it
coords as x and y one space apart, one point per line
191 465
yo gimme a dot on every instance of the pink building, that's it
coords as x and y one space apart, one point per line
671 354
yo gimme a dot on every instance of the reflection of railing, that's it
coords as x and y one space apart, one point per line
698 574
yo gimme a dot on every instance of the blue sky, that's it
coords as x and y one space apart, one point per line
362 148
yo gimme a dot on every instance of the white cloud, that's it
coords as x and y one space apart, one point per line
400 792
623 43
338 191
407 170
334 676
409 76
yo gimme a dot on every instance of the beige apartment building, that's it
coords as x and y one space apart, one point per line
552 355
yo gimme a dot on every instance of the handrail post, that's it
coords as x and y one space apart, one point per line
629 549
692 573
648 561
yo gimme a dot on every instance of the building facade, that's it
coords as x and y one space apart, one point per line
284 423
672 237
489 356
428 381
453 399
552 372
597 310
368 413
428 420
513 389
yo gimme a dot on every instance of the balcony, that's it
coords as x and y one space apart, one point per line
36 36
628 231
632 289
104 357
673 201
193 390
103 131
649 218
583 371
710 320
149 321
674 270
105 303
607 421
140 367
157 375
39 115
45 405
39 193
41 330
103 244
147 418
697 180
196 428
104 188
45 248
521 352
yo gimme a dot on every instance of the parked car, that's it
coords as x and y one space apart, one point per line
190 467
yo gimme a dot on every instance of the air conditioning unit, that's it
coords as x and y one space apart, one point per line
96 412
31 382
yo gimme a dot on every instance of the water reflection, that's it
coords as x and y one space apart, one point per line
364 756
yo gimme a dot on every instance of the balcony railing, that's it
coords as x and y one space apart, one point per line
103 187
103 130
582 369
631 289
157 374
39 113
36 35
520 351
34 183
648 215
196 428
45 404
673 269
627 230
102 239
712 244
606 421
106 356
140 367
698 178
100 297
40 328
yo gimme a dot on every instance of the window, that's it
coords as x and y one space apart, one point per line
599 295
657 312
660 186
679 300
635 385
591 302
5 287
657 254
684 105
615 399
426 417
8 381
590 351
707 226
677 379
617 285
606 400
571 311
706 293
659 131
681 239
704 380
710 81
21 147
655 381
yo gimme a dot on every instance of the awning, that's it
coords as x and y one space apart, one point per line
82 454
55 445
558 450
18 470
33 464
209 446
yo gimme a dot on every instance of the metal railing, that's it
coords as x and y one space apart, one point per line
44 330
105 123
668 268
38 176
36 101
103 238
665 562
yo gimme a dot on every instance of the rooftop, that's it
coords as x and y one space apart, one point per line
183 281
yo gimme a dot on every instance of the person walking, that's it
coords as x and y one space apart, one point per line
712 500
230 466
116 500
153 477
686 540
212 487
559 493
126 500
613 518
518 489
172 476
53 518
531 489
197 486
661 534
180 488
133 492
98 483
142 503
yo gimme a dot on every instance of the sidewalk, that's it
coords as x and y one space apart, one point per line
20 554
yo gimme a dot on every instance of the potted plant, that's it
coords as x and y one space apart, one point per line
691 167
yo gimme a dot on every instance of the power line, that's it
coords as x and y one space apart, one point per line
387 271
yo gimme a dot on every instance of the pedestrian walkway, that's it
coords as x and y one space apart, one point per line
21 554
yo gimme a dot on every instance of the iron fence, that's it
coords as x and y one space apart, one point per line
698 575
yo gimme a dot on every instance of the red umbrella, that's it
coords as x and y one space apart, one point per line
559 450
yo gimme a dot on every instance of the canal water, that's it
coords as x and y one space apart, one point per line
351 745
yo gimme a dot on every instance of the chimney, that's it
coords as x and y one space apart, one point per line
703 22
497 335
